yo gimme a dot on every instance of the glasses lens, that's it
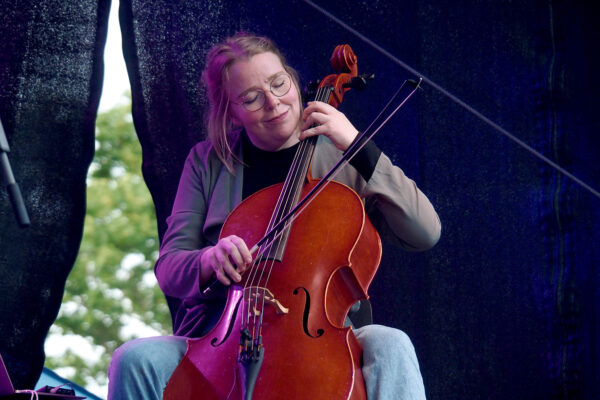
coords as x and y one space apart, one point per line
281 84
254 101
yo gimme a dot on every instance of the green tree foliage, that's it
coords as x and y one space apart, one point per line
111 295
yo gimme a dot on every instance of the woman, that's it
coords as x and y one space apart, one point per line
255 122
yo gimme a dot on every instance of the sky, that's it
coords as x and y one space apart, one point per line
116 81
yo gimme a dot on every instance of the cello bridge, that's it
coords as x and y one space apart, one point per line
259 295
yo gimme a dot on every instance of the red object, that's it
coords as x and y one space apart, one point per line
284 322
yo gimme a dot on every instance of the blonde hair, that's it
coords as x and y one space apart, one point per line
241 46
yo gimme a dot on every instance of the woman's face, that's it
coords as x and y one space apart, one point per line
275 125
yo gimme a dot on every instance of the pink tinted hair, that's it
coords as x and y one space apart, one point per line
241 46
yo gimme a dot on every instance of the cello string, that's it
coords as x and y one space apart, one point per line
284 201
254 280
291 194
295 170
270 237
307 199
455 99
248 303
300 174
288 193
256 277
306 147
292 188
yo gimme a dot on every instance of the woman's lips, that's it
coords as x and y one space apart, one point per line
279 118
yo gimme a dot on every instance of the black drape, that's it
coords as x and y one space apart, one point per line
50 81
507 304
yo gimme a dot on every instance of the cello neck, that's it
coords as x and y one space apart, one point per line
292 187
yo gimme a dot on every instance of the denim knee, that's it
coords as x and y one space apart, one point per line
141 368
390 366
381 340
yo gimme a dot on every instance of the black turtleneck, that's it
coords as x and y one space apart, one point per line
266 168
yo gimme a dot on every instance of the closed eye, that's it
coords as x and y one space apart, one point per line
278 83
250 97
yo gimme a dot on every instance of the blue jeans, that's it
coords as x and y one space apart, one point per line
141 368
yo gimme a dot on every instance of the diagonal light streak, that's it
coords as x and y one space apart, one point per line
454 99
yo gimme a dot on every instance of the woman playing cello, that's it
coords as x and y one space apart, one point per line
255 123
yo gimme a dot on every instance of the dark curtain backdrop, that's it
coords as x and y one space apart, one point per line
505 306
50 82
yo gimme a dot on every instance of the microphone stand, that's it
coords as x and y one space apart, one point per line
14 193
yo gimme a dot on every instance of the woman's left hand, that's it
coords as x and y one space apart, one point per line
329 122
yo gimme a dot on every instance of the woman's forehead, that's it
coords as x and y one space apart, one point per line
257 71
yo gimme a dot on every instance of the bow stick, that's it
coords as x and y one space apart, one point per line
455 99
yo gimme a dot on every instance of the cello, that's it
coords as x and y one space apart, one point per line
282 333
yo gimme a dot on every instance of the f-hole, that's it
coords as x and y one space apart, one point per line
232 320
320 331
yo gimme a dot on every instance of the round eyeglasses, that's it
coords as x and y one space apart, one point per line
254 100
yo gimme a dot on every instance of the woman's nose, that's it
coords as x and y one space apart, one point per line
271 101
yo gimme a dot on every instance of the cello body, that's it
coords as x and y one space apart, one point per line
281 334
330 259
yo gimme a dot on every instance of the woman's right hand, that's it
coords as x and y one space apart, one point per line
227 260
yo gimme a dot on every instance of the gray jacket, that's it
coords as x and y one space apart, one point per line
208 193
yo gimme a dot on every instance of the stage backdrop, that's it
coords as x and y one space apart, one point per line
506 305
50 83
